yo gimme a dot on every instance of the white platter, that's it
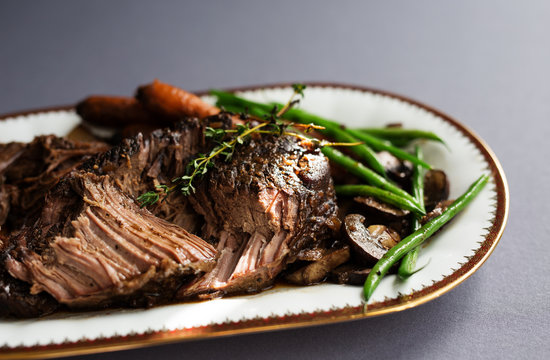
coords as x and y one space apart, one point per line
452 255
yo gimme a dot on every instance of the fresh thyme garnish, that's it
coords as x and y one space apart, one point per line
225 147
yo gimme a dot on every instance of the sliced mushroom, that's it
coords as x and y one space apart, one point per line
378 212
437 210
318 270
311 254
379 208
397 169
350 274
370 243
436 188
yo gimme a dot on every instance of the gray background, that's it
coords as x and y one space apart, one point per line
487 63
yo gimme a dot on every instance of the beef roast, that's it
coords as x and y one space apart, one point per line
109 251
92 246
274 198
28 171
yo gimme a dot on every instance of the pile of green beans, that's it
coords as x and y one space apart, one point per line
403 199
394 254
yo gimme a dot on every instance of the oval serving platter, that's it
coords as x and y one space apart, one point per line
450 257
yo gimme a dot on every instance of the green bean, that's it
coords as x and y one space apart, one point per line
332 128
383 195
410 242
406 268
238 109
226 98
365 173
380 145
401 135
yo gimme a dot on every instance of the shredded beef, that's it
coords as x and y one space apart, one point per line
28 171
109 252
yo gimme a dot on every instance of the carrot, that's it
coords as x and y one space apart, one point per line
113 111
172 103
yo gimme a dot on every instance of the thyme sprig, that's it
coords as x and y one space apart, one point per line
200 165
225 148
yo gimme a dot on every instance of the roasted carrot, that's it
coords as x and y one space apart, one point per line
172 103
113 111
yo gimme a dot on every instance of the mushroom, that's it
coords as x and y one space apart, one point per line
436 188
397 169
380 208
350 274
437 210
381 213
317 271
370 243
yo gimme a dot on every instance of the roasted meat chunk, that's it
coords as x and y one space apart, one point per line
109 251
274 198
28 171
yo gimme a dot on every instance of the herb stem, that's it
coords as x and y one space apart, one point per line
224 147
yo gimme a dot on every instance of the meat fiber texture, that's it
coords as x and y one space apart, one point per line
273 199
28 171
111 251
92 246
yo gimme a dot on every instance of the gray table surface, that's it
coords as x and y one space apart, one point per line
487 63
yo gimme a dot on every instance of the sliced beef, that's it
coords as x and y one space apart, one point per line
137 164
140 163
274 192
108 252
271 200
28 171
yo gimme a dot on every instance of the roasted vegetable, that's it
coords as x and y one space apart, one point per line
369 243
172 103
114 111
395 254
